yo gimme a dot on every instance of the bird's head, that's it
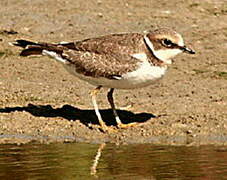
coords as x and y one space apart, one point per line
165 44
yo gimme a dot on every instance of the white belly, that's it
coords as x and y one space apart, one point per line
144 76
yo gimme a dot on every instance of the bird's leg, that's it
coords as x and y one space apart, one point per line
111 101
94 93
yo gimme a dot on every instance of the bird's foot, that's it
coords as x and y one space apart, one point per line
124 126
107 129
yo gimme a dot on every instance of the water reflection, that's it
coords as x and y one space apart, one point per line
91 161
96 160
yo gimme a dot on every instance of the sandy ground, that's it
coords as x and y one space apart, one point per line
41 102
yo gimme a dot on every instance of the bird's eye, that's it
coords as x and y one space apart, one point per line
167 42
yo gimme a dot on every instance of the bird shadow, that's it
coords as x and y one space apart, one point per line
85 116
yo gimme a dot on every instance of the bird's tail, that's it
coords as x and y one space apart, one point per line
33 48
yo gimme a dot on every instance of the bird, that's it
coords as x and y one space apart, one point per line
114 61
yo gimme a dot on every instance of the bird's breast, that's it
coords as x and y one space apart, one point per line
145 75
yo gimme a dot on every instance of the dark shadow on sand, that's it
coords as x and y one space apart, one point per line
85 116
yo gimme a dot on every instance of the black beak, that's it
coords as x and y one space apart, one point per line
187 50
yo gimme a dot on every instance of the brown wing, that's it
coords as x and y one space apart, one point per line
100 65
112 44
107 56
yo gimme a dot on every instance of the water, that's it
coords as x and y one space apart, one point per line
92 161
